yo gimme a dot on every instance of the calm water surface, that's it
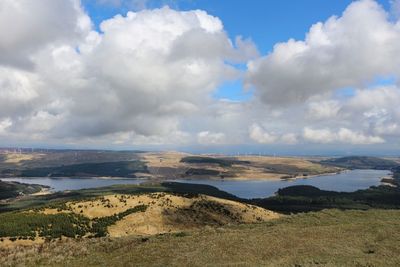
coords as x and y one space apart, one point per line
343 182
346 182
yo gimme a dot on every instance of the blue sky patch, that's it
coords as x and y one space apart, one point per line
233 90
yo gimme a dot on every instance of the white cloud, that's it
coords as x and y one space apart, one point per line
289 139
260 135
147 76
348 136
4 124
381 97
346 51
209 138
28 26
140 77
389 128
377 109
149 68
344 135
323 109
323 136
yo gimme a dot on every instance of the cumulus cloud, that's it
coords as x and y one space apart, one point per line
146 76
377 109
151 67
323 110
376 98
138 77
4 124
289 139
348 136
319 136
37 24
210 138
344 135
258 134
346 51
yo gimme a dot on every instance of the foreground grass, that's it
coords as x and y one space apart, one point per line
325 238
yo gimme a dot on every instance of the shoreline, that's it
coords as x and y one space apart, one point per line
258 178
9 179
277 177
389 181
44 191
144 180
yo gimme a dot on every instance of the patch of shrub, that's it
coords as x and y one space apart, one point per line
30 224
99 225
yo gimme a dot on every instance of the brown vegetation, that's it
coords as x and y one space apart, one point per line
169 165
166 212
326 238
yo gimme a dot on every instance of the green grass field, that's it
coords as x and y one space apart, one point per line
325 238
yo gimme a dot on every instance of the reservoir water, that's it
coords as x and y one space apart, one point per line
347 181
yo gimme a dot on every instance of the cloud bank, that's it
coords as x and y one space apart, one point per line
149 78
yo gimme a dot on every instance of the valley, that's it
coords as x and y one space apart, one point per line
156 165
164 212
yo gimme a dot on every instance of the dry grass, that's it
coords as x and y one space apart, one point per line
164 159
167 213
327 238
169 165
298 162
7 243
17 158
49 211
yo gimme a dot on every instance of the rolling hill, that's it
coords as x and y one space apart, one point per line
361 162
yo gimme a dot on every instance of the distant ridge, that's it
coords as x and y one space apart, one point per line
361 162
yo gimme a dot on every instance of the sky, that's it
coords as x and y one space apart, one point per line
286 77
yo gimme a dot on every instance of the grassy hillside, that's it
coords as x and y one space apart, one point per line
171 165
123 214
115 169
169 223
28 159
288 200
59 197
358 162
15 189
308 198
326 238
62 221
223 162
159 165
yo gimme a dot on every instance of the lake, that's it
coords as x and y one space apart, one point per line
346 182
